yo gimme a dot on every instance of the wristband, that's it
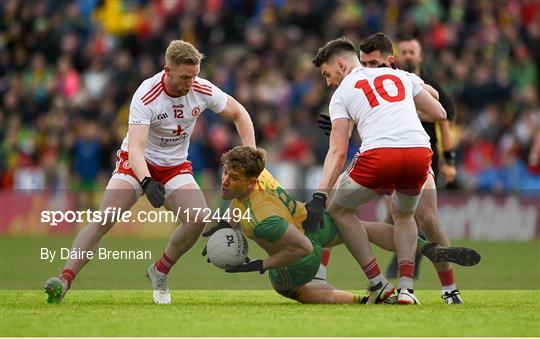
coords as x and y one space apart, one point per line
450 157
145 181
320 194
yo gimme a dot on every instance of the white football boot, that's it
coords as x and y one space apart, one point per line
379 293
452 297
160 282
407 297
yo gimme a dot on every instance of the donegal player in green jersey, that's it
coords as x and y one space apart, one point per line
275 224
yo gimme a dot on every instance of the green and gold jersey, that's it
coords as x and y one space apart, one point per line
270 210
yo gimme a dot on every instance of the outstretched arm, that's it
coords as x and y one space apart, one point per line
337 154
138 134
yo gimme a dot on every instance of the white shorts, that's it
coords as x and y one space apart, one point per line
349 194
172 177
176 182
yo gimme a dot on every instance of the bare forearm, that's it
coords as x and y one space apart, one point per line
244 126
534 154
446 136
423 116
332 169
137 162
284 258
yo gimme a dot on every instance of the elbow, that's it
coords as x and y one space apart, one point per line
307 248
239 114
132 150
339 154
237 117
442 113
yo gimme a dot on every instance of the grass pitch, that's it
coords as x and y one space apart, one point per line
264 313
113 298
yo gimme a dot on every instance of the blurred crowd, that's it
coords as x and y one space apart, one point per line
68 70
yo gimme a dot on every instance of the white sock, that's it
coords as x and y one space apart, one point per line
378 279
405 283
321 273
449 288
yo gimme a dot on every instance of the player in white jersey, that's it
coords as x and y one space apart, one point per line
153 161
377 50
394 158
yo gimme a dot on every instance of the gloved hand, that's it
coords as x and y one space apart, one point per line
324 123
252 266
155 192
315 212
221 224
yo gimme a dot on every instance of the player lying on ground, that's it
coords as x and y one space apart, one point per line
153 161
275 224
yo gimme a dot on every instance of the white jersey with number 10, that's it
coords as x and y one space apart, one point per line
380 102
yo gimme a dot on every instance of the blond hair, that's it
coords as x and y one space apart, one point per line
248 160
181 52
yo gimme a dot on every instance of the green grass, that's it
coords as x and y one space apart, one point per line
264 313
112 298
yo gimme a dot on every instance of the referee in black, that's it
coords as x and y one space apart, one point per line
410 59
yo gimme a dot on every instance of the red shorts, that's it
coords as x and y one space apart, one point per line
158 173
384 170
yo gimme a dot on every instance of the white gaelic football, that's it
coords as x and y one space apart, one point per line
227 248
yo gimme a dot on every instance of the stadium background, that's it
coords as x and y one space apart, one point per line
69 69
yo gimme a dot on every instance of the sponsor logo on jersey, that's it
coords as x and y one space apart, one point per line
179 130
167 142
181 134
196 111
162 116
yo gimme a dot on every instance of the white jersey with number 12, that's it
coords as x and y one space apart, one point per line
171 119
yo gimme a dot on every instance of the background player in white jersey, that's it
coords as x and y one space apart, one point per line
394 156
153 161
377 50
